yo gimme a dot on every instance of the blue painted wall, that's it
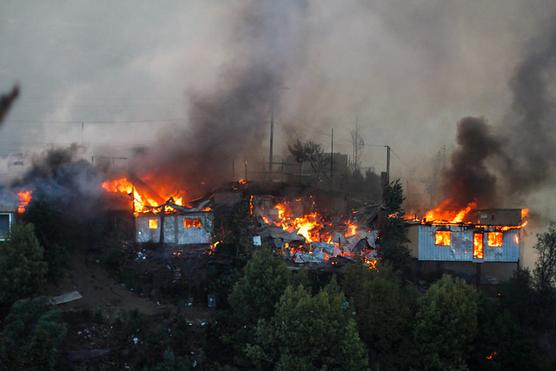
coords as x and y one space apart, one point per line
461 248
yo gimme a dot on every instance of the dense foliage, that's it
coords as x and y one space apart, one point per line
32 336
22 265
309 333
393 229
445 325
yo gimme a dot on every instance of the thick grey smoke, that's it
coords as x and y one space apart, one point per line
530 131
231 121
523 147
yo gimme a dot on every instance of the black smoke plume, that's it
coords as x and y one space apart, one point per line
229 123
469 178
60 178
507 162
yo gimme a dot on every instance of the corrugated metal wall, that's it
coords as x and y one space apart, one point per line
174 229
461 248
142 231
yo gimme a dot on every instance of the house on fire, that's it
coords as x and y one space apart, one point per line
174 224
487 244
7 218
10 209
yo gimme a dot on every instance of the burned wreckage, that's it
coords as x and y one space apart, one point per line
296 228
292 226
304 236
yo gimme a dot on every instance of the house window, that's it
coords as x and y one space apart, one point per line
478 247
4 226
495 239
442 238
153 223
192 223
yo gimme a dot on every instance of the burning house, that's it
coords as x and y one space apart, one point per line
174 224
12 205
162 216
469 241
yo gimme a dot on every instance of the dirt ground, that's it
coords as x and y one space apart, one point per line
99 289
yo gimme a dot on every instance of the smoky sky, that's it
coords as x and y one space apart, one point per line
115 76
495 164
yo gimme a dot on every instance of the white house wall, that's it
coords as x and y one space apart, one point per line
174 230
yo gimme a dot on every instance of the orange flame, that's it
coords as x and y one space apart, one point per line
478 246
24 199
351 229
442 238
444 212
142 200
307 225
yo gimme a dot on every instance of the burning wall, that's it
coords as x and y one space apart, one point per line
175 228
478 236
161 212
464 243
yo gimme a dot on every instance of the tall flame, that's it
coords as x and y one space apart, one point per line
24 199
142 200
307 225
444 212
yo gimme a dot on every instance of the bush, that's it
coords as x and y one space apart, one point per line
22 268
32 336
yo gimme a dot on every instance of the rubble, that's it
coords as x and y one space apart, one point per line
306 237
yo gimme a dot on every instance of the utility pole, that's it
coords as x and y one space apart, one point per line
233 169
388 164
358 143
332 156
271 138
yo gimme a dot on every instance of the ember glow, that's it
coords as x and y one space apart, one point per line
24 199
145 198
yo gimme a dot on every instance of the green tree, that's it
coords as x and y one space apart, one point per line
309 333
264 280
32 336
545 266
22 268
393 229
445 325
253 297
172 363
47 221
384 310
234 231
502 343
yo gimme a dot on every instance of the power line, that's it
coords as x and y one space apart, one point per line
48 122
